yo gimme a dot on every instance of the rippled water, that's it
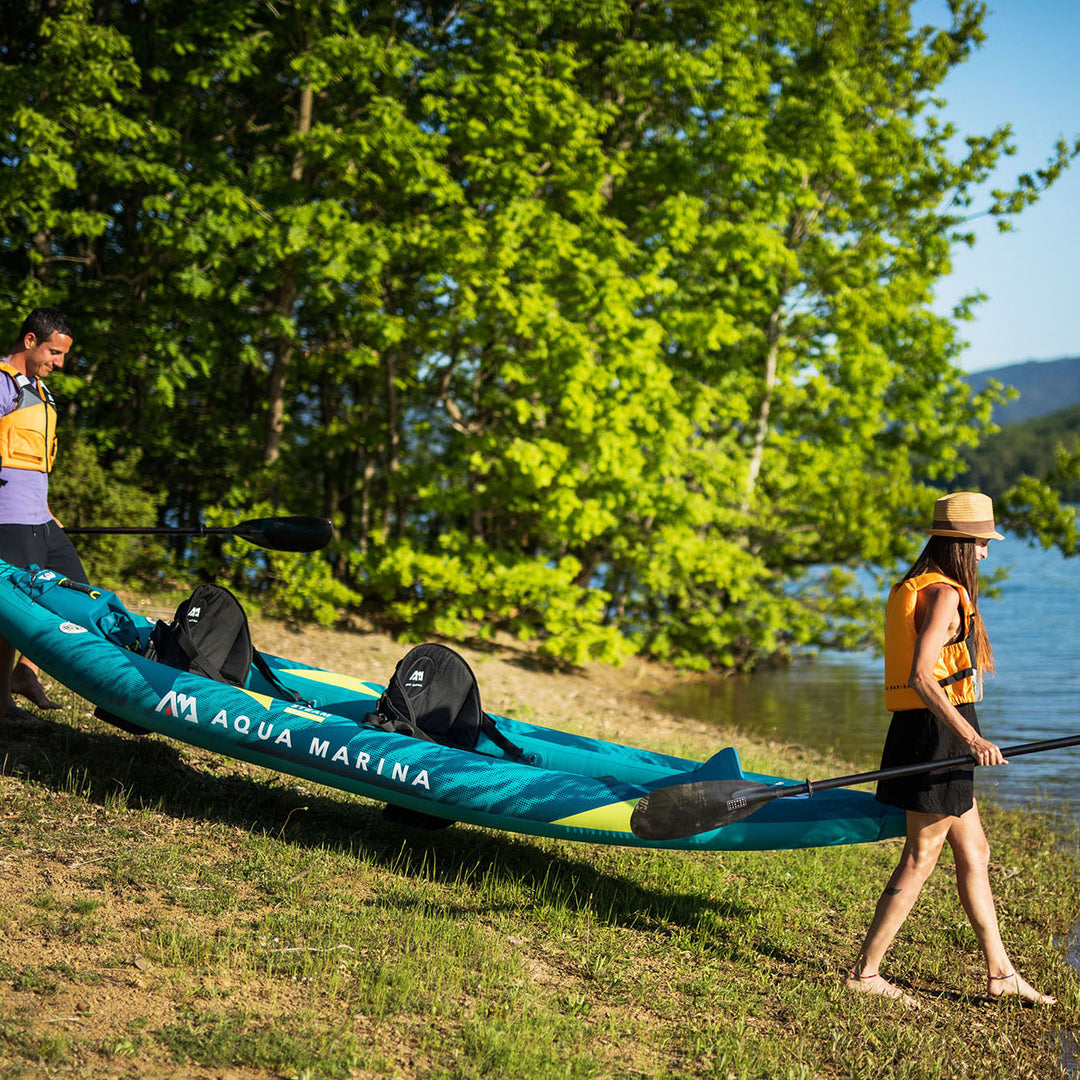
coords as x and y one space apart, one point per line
834 701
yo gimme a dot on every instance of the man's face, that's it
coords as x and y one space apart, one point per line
43 356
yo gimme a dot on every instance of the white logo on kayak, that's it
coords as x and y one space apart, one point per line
396 770
72 628
179 705
185 707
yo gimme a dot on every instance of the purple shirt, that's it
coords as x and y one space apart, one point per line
24 494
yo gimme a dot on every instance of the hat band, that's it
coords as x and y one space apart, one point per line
986 525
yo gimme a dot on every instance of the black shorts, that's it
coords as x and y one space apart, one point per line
45 545
917 735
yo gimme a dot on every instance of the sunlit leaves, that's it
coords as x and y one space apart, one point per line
602 322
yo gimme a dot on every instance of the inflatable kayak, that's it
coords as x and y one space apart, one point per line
571 787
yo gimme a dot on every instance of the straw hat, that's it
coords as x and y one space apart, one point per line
965 514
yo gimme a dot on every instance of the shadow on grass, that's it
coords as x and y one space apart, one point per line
151 773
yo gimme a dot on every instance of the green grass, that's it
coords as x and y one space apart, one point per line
168 914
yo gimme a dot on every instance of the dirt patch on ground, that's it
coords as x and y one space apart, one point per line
77 989
613 703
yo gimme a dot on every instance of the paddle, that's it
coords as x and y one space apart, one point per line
685 809
277 533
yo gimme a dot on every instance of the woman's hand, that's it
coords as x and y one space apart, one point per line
985 752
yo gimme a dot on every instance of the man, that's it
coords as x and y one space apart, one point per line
29 534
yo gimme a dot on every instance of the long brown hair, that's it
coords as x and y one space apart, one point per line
955 558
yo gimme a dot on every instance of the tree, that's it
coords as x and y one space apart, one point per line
607 321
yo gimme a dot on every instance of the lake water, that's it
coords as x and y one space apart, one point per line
835 700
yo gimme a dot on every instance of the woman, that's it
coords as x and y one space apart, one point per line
936 651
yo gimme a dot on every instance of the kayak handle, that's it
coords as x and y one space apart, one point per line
78 586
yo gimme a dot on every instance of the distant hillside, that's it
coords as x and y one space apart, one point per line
1029 447
1044 417
1046 386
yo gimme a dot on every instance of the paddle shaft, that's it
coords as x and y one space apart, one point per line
156 530
697 806
302 534
765 794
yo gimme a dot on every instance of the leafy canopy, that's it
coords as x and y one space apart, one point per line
605 322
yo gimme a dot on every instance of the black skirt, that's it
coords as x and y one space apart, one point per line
917 735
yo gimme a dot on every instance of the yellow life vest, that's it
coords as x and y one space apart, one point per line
955 669
28 432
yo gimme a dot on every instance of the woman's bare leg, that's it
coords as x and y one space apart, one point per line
971 853
926 835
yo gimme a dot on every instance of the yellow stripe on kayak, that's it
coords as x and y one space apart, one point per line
614 817
331 678
265 700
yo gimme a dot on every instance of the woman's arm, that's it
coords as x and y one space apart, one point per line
938 620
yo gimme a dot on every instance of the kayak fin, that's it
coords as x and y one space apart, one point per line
723 765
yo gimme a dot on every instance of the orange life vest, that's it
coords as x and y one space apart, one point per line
955 669
28 432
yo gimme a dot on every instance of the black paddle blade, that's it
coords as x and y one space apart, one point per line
687 809
285 533
700 806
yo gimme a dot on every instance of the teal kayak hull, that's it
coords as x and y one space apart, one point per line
573 788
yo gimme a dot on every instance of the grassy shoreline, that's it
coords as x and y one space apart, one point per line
168 913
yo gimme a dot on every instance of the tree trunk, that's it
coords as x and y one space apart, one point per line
282 350
761 433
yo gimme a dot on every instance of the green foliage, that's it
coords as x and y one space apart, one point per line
1032 508
83 491
607 324
463 585
287 585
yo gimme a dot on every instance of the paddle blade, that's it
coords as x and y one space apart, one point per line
286 533
687 809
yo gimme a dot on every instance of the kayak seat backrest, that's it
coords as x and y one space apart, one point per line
209 636
433 695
